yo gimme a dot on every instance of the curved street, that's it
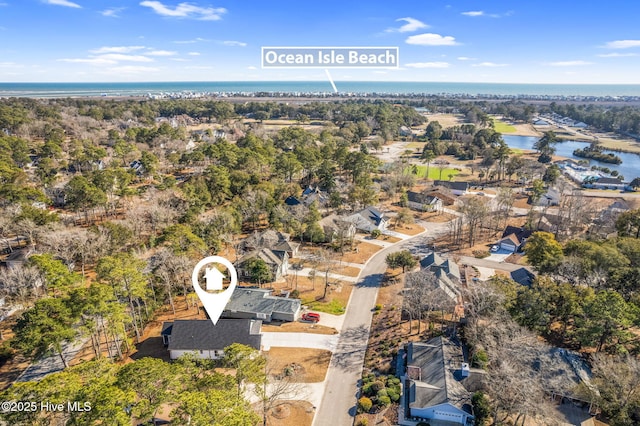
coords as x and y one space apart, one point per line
338 406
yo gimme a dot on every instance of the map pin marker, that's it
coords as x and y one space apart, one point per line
214 303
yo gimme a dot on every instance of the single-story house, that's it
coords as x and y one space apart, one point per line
274 240
608 183
405 131
368 219
423 202
456 188
255 303
206 340
314 194
509 243
337 229
433 387
550 198
277 261
523 276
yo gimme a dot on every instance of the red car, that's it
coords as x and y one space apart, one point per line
311 316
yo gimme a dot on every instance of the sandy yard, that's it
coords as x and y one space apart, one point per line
291 413
298 327
363 251
308 365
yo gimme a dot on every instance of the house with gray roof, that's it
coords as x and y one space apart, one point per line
337 229
523 276
456 188
270 239
257 303
207 341
435 262
423 202
276 260
433 384
368 219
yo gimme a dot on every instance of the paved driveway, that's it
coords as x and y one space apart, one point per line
300 340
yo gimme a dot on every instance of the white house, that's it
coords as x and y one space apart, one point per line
368 219
433 387
202 338
423 202
456 188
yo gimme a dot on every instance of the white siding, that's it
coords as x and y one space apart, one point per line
204 354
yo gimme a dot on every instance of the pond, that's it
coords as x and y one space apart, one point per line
630 167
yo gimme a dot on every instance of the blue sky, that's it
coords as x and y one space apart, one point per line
200 40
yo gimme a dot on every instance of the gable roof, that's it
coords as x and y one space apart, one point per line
270 257
203 335
422 198
437 383
292 201
511 238
260 301
459 186
523 276
372 215
520 233
609 181
436 262
335 223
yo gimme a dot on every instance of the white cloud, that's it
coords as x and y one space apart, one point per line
66 3
186 10
617 55
161 53
179 59
428 65
113 12
199 67
133 69
569 63
116 49
90 61
622 44
10 65
473 13
195 40
431 39
411 25
193 53
251 67
489 65
118 57
466 58
233 43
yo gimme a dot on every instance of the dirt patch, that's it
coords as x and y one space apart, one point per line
348 271
305 365
361 253
447 120
411 229
312 291
291 413
298 327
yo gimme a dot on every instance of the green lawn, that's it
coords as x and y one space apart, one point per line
434 172
502 127
414 145
334 307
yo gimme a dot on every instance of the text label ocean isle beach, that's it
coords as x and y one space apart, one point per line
330 57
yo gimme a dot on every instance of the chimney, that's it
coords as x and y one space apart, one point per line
464 370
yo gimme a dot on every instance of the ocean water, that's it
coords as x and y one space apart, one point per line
52 90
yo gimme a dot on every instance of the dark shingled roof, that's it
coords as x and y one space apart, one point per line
203 335
460 186
523 276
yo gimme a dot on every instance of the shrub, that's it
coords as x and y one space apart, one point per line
395 397
481 407
378 307
481 254
480 359
362 421
377 385
382 392
375 233
366 389
295 294
364 404
384 401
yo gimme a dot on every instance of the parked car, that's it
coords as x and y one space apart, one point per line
495 248
311 316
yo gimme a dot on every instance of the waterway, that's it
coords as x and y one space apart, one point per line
630 167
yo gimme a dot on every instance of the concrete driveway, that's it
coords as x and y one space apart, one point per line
499 256
300 340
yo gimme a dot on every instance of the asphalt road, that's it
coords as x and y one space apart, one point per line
338 406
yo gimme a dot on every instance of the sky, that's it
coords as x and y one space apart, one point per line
542 41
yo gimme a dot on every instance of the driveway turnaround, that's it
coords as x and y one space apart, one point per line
299 340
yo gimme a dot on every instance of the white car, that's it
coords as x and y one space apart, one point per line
494 248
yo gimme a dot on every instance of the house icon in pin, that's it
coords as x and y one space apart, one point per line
214 279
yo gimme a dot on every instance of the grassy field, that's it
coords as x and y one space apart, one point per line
502 127
434 172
